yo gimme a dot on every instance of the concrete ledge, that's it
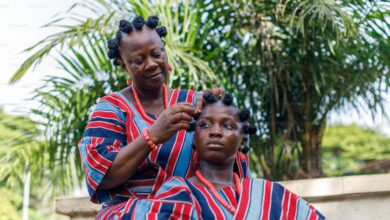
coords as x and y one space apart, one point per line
77 207
324 189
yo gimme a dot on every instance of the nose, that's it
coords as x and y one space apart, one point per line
215 131
151 64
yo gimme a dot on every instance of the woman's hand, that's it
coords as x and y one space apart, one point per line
215 90
172 119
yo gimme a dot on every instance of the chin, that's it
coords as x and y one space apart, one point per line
214 157
156 83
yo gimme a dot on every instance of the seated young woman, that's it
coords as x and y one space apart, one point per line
216 191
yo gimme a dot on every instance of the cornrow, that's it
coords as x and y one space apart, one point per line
127 27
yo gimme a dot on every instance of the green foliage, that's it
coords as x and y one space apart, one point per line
346 149
10 204
19 150
294 62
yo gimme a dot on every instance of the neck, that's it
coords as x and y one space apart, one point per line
149 94
218 175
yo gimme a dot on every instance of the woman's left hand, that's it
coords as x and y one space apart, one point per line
216 90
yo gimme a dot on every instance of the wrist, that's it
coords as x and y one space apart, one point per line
153 137
148 139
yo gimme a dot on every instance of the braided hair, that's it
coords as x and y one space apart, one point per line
126 27
243 116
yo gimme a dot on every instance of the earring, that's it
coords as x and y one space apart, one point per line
128 82
170 68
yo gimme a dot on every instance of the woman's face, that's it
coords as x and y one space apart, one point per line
143 56
218 134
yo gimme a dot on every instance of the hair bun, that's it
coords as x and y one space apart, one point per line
244 150
113 44
162 31
210 98
250 129
152 21
244 115
113 54
125 26
138 22
227 99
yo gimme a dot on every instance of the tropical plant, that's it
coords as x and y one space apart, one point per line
294 62
19 147
351 150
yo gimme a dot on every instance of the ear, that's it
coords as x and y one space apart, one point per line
122 64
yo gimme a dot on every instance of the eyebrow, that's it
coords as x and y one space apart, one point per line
209 117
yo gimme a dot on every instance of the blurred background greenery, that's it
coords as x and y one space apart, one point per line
290 62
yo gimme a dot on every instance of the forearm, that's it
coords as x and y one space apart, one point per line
126 163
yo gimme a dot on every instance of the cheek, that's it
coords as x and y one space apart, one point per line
234 139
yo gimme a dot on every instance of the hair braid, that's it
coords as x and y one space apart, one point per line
126 27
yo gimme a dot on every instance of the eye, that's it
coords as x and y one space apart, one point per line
229 126
204 124
138 60
156 54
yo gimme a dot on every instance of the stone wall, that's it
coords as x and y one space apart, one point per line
351 197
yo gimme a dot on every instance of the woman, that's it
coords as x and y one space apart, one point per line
216 191
139 133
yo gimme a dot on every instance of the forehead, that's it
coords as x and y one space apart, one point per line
137 39
218 109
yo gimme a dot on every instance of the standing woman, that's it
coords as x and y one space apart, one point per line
138 134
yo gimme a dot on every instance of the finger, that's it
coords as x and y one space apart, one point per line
221 92
182 125
199 103
187 108
182 117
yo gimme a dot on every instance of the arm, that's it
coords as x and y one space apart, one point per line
133 154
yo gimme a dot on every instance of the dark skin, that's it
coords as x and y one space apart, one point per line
143 57
218 135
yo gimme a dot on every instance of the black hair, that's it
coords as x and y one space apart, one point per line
127 27
243 116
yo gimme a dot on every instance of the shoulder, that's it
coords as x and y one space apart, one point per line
112 99
183 95
288 201
113 103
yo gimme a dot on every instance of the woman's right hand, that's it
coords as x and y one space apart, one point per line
171 120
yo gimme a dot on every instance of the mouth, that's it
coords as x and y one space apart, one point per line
214 145
153 75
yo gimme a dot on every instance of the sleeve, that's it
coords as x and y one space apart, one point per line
294 207
103 138
174 188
